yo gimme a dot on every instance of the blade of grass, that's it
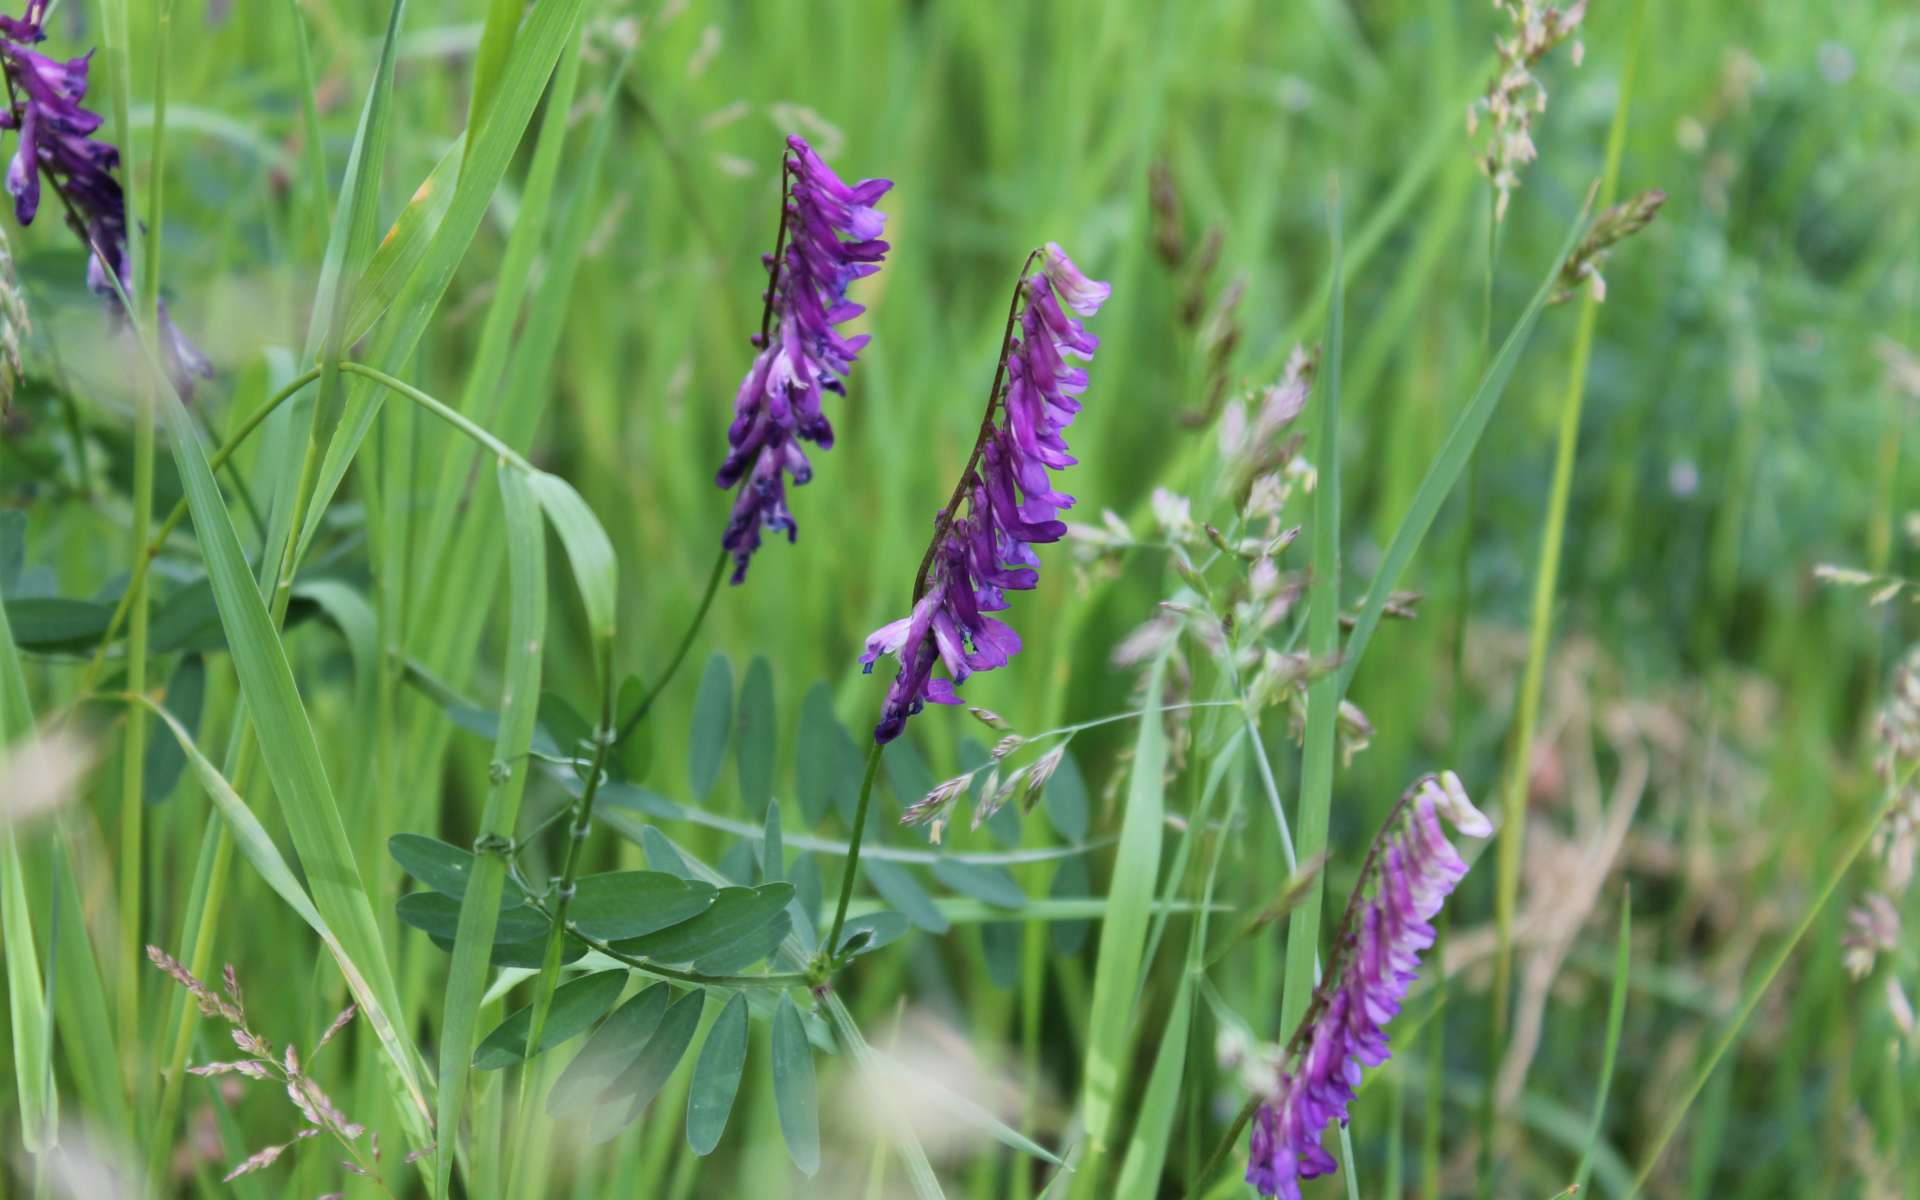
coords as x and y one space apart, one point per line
548 28
496 40
1450 462
1123 937
1616 1018
288 747
496 338
31 1022
1147 1148
84 1019
480 909
257 846
1323 634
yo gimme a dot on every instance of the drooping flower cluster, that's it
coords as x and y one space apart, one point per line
56 140
801 352
1411 870
1012 504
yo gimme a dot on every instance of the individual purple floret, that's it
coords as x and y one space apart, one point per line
56 140
1410 871
801 352
1012 505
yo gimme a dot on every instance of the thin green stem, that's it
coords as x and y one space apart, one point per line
549 978
680 651
576 837
439 409
853 852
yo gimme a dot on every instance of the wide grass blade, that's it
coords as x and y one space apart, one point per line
589 550
480 909
1153 1127
1123 936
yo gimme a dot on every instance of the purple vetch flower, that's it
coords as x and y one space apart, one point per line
44 97
1408 875
830 231
1011 503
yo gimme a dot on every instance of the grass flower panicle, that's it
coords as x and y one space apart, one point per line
1410 871
829 236
1516 96
44 96
1012 504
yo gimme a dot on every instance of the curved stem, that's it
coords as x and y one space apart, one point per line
439 409
680 651
948 514
832 943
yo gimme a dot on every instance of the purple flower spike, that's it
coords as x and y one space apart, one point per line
1011 502
830 231
56 140
1412 868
